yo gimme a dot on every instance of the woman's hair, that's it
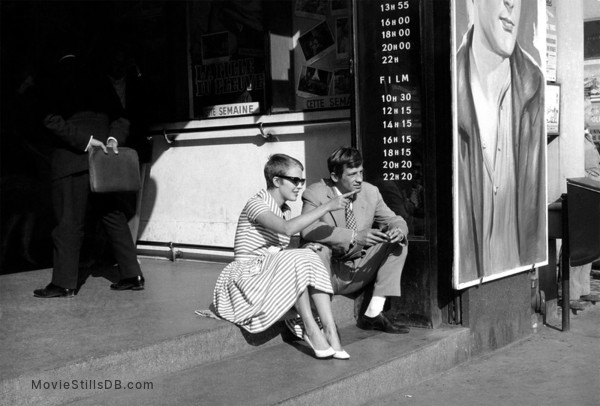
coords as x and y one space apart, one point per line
342 157
278 164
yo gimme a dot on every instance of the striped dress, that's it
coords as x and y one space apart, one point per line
264 281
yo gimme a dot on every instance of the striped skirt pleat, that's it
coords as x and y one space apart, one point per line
256 293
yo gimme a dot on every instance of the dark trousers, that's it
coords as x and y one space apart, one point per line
74 207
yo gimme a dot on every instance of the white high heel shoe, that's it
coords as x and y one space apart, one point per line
328 353
341 354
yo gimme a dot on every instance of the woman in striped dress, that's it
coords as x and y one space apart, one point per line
265 280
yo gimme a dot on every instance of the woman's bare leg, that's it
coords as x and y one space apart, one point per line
322 302
313 331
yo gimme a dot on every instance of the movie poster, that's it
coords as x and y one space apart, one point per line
499 154
228 61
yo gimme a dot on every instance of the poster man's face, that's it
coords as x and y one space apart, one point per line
498 21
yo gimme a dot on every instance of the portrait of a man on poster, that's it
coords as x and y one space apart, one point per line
500 220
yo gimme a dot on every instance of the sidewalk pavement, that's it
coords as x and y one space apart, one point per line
548 368
155 333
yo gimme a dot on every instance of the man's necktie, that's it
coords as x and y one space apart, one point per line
350 219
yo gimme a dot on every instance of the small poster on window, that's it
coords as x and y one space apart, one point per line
227 58
342 82
314 82
311 8
316 42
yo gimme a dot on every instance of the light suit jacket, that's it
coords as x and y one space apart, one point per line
369 209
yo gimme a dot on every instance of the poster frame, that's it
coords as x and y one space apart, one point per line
464 278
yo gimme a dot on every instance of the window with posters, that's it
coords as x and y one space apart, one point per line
228 58
269 56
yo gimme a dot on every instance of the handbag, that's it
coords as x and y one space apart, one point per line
111 173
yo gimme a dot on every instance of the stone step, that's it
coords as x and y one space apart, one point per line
288 374
109 335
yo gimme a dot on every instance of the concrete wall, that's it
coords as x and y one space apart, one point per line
497 313
198 185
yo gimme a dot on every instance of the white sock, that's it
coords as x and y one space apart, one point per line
375 306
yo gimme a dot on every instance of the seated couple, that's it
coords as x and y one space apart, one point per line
343 254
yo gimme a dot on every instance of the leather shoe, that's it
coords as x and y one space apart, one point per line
590 298
382 323
53 290
576 305
135 283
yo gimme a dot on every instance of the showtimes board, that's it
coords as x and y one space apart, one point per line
388 104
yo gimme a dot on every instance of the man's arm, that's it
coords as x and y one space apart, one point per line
323 231
67 132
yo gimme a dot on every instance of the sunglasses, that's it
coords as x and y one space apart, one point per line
294 180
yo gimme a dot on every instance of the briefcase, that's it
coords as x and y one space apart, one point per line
114 173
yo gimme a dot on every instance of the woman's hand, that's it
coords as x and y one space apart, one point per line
340 202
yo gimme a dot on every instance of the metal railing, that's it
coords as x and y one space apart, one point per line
170 134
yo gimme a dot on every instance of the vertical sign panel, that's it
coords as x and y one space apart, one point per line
388 104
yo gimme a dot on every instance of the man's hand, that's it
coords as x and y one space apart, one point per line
112 143
395 235
94 143
370 236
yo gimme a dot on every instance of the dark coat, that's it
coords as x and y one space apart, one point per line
79 103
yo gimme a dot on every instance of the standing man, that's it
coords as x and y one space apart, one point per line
83 112
354 251
592 156
579 280
501 161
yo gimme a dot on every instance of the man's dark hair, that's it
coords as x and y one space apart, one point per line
343 157
278 164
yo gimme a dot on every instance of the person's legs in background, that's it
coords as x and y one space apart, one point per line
70 196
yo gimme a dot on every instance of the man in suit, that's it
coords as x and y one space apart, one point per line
365 243
83 112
